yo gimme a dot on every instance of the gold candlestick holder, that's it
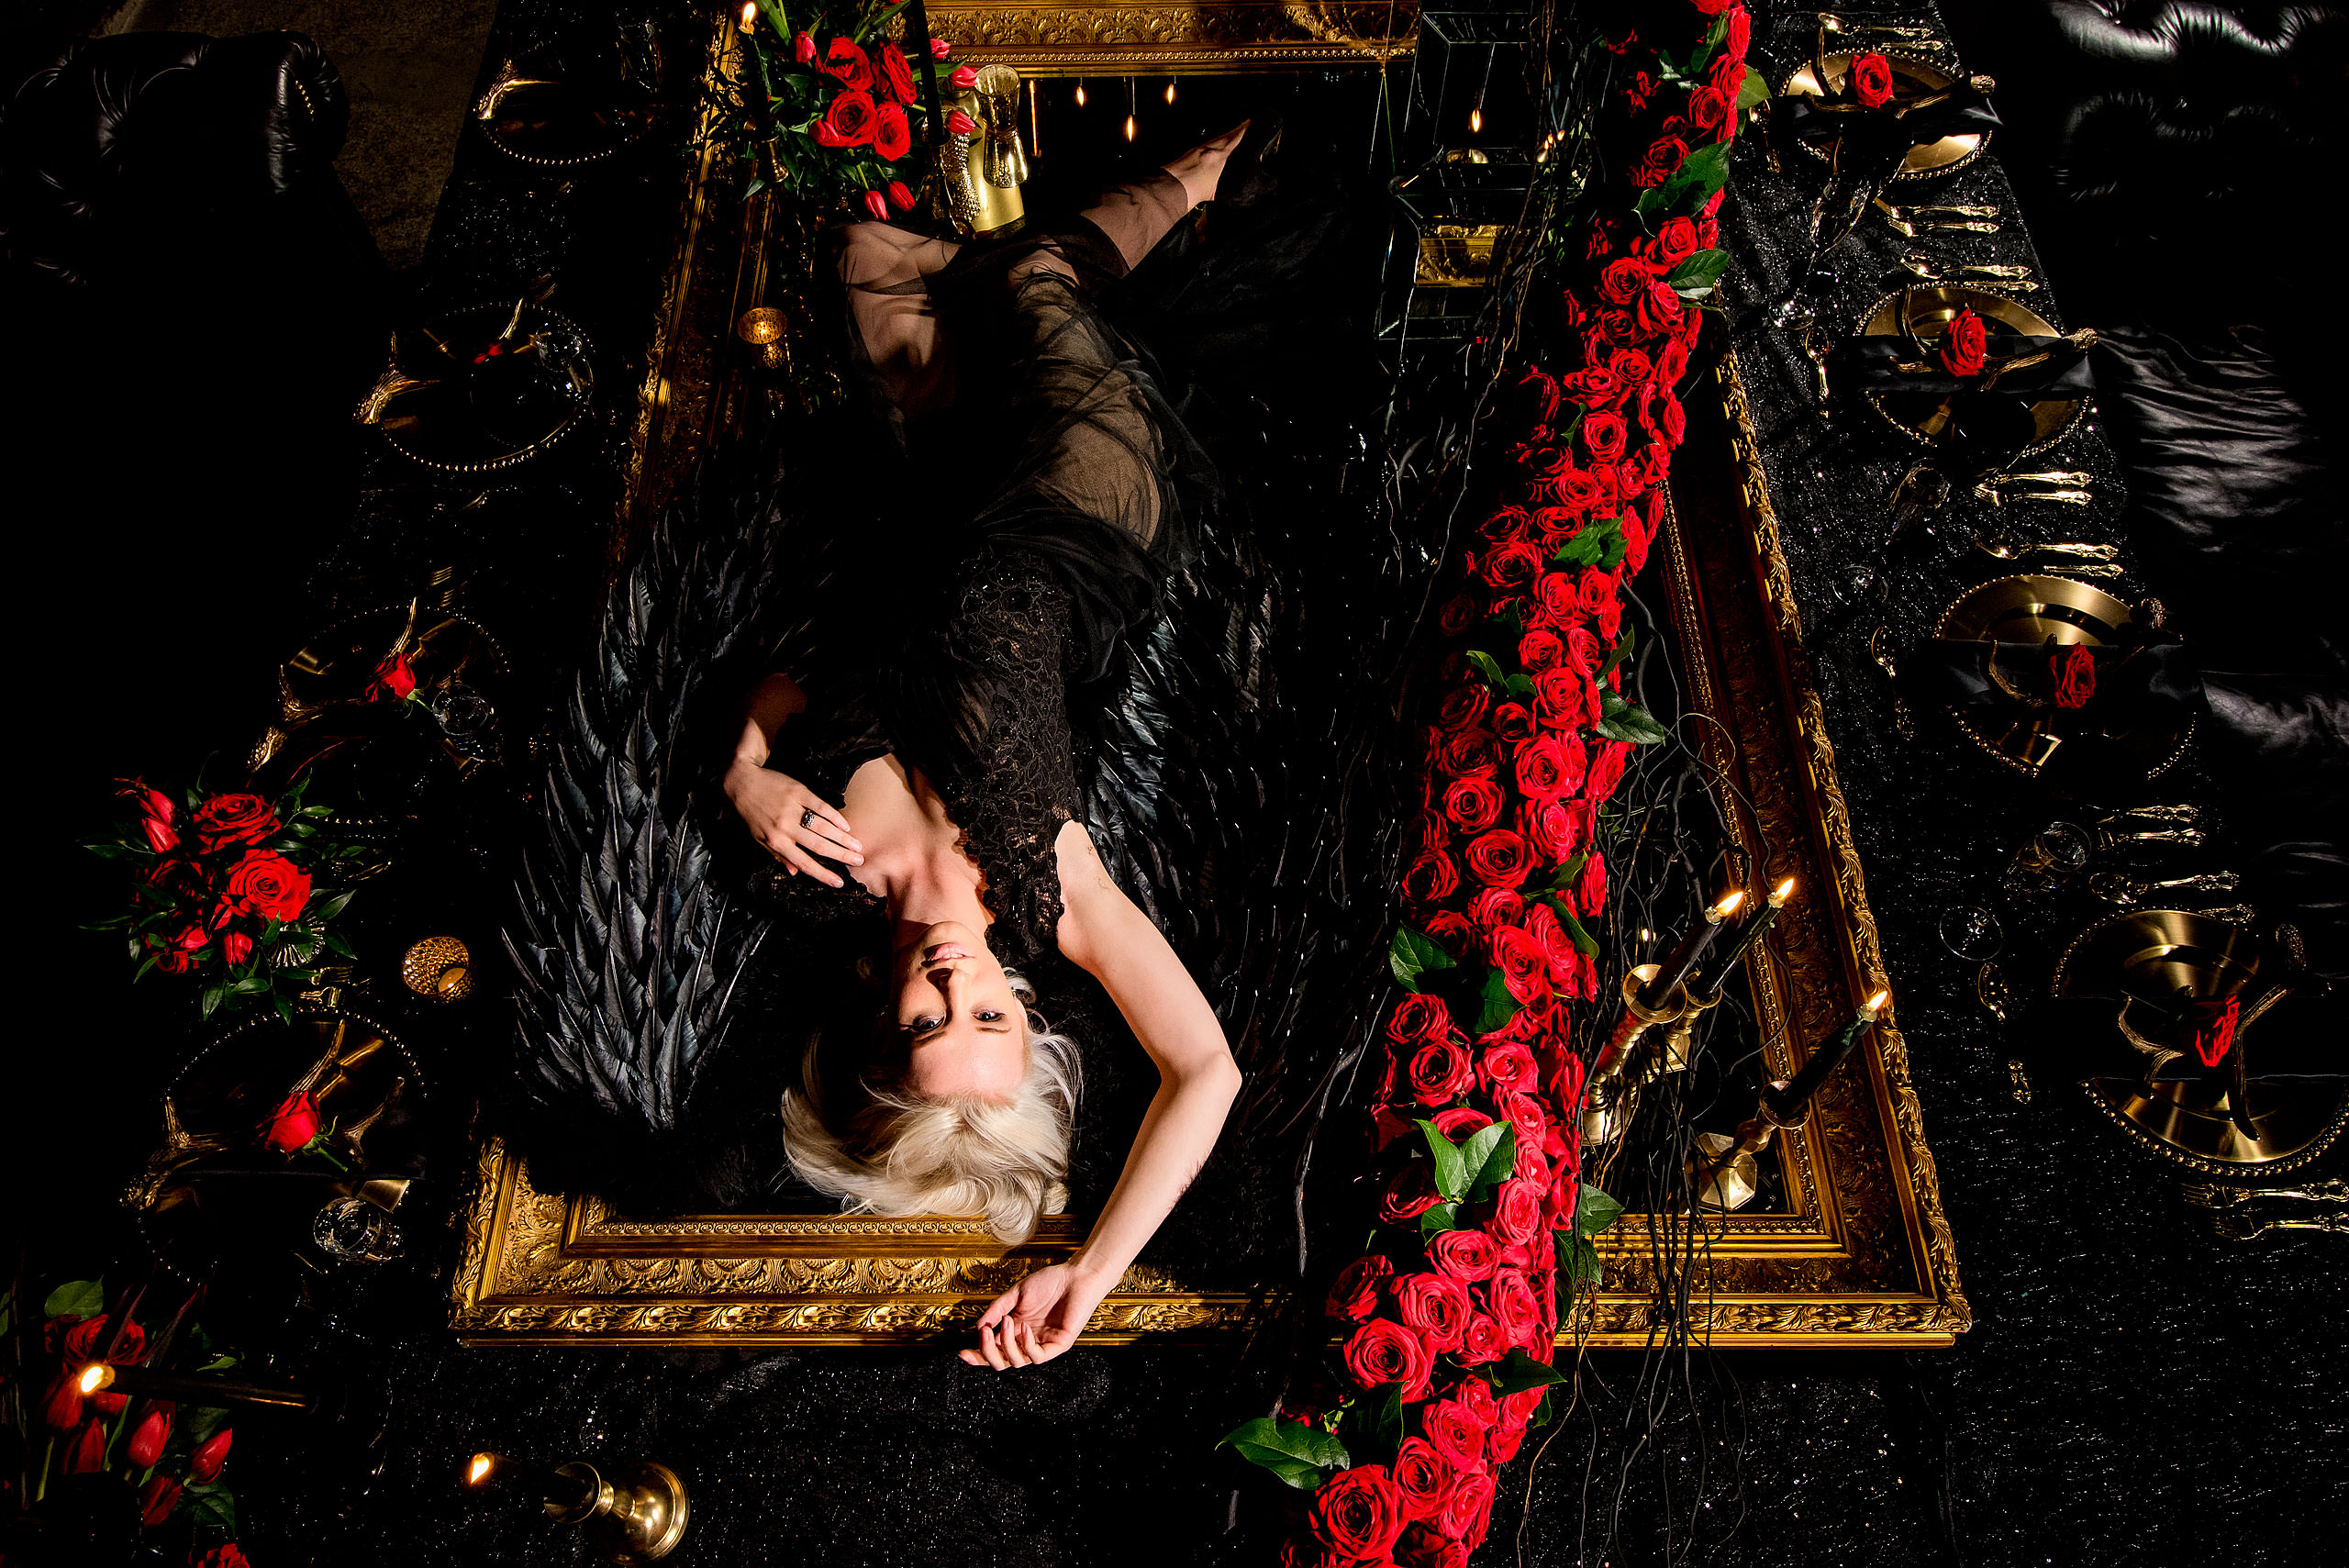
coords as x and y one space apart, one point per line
1612 1096
1725 1169
638 1513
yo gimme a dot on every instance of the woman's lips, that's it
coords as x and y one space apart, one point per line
946 952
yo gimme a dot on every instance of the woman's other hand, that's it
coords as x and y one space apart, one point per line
791 821
1039 1318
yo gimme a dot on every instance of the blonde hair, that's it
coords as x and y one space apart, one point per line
897 1152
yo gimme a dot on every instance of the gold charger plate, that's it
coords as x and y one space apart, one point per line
2038 609
1929 309
434 423
1911 78
2150 955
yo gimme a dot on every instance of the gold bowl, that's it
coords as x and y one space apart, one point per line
2144 959
1927 312
1911 78
2042 608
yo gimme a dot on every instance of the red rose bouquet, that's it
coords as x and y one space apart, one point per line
224 890
838 105
1447 1328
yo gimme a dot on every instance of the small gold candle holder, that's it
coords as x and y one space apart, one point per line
1725 1169
638 1513
1609 1100
439 968
764 326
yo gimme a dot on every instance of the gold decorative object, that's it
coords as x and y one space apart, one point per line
637 1514
1611 1098
1457 255
439 968
1925 310
1911 78
420 403
981 171
764 328
535 114
1859 1253
1188 36
2035 609
2143 959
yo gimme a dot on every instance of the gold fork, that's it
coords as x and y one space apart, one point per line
2243 1226
2213 1196
1947 211
1908 231
1880 649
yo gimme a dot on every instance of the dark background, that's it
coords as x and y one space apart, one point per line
2133 1391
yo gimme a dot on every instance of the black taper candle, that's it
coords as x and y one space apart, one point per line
186 1389
1687 951
1788 1103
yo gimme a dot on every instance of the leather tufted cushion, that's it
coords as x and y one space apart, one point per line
112 147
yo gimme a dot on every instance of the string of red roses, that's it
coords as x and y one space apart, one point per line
1451 1322
852 101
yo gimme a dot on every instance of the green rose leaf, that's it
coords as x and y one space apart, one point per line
1409 954
76 1298
1495 1006
1494 1163
1374 1425
1293 1450
1622 650
1590 546
1520 687
1623 720
328 908
1435 1222
1691 186
1453 1169
1521 1371
1753 91
1695 277
1575 928
1489 667
1577 1265
1595 1211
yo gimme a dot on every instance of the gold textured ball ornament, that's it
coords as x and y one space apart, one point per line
439 968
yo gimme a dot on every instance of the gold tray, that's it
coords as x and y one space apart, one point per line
432 424
2148 955
1911 78
1921 416
2035 608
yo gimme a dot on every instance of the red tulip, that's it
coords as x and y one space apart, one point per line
294 1125
803 50
228 1555
877 204
61 1408
939 49
88 1449
210 1455
107 1402
146 1439
155 815
236 947
960 123
964 76
156 1501
900 198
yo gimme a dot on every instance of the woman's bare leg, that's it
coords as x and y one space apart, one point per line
1136 217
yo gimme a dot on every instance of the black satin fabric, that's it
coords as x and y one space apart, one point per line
1962 111
2135 683
1877 364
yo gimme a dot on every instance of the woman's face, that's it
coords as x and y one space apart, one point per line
964 1031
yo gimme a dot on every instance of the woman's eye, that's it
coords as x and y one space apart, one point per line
989 1016
923 1025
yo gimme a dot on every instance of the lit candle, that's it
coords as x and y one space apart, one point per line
1788 1103
1687 951
755 73
557 1492
141 1383
1750 932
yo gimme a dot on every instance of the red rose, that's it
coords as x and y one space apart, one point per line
1513 722
847 63
1358 1513
1675 242
1596 385
1469 755
87 1452
1525 1114
236 947
1509 523
1964 344
1359 1283
1423 1546
1517 1216
900 198
1509 1066
1727 77
147 1439
1590 889
1417 1017
1603 435
225 820
1607 761
1559 828
1464 706
224 1556
1473 803
1709 110
178 955
1584 653
1436 1306
1519 957
1659 310
1431 878
1459 1121
1450 931
1510 1298
895 71
1455 1432
1553 596
1618 326
1623 280
1509 568
1561 697
1499 858
1537 650
1597 588
1440 1072
87 1340
293 1124
849 121
2072 670
1660 162
210 1454
1496 906
1739 34
891 139
1481 1341
1383 1351
1577 488
394 681
156 1501
268 886
1457 614
960 123
155 815
1872 80
1422 1478
1411 1192
1631 366
1465 1255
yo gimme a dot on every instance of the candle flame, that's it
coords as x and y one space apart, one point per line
1729 905
1080 95
749 14
1476 121
1646 935
1780 894
94 1376
1130 128
478 1471
1170 92
1875 1004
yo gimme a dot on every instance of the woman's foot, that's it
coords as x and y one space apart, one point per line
1202 167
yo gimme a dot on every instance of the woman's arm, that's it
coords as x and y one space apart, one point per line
792 821
1103 933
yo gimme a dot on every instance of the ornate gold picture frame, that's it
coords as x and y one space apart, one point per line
1861 1254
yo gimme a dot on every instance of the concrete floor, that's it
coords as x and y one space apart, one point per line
409 67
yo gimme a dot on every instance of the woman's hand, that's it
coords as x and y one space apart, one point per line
1039 1318
791 822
